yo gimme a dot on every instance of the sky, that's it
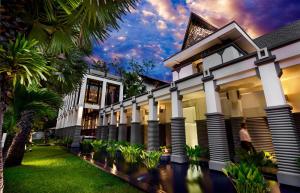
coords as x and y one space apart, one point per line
156 28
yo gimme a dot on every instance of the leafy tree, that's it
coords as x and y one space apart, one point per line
36 104
130 75
60 26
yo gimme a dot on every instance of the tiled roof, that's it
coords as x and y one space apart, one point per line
280 36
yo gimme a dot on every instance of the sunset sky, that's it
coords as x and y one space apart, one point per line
155 29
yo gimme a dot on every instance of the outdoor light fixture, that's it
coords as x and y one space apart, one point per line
162 108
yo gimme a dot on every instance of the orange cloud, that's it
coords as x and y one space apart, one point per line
221 12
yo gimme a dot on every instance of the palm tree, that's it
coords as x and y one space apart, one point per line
59 26
20 61
36 104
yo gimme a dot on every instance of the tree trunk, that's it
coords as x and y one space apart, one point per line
2 110
17 149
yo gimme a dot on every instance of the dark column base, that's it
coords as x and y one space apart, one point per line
217 139
112 132
98 132
104 133
153 135
178 140
136 133
286 142
76 137
122 132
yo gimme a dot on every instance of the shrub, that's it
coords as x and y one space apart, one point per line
99 145
66 141
86 146
165 149
151 158
112 148
194 153
246 178
259 159
131 153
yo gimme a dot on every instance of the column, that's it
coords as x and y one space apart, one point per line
112 136
153 129
217 138
281 122
77 128
235 120
121 93
104 84
99 127
104 129
177 127
136 131
122 135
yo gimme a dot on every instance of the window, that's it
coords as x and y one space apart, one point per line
90 118
112 94
93 92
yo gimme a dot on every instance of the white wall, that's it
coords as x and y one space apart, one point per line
230 53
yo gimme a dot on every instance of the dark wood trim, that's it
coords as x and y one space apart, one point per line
200 40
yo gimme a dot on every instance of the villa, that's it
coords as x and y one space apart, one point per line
221 77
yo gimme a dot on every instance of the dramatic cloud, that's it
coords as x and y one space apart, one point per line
155 29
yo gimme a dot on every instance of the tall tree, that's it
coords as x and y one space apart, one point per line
59 26
131 75
36 104
20 61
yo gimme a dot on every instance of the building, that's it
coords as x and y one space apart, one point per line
80 112
151 83
221 77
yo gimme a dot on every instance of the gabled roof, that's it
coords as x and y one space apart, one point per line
152 80
232 31
280 36
196 23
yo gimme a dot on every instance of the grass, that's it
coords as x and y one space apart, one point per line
50 169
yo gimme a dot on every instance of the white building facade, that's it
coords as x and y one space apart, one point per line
80 111
221 78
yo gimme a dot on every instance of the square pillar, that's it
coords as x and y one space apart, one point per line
281 122
122 134
104 128
217 137
177 128
136 131
99 127
153 129
112 134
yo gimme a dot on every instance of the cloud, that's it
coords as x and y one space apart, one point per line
121 38
147 13
177 15
161 25
251 15
164 8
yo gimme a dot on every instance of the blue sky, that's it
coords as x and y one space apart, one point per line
155 29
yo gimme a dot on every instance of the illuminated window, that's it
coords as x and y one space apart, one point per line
93 92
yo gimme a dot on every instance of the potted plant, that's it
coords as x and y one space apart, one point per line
151 159
246 178
196 153
99 148
131 156
86 147
111 149
264 160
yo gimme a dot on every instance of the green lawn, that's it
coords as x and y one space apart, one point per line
53 169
